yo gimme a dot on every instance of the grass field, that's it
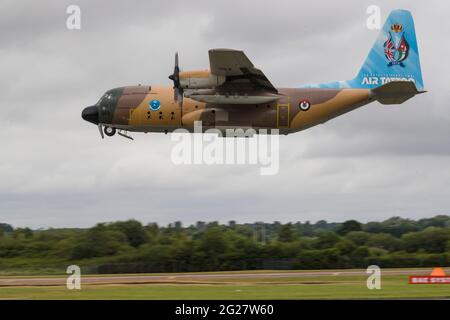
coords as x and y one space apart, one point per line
323 287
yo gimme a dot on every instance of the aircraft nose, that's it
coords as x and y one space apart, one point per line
90 114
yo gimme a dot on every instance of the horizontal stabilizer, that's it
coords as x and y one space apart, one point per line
395 92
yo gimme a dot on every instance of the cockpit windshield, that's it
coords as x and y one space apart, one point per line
107 97
110 98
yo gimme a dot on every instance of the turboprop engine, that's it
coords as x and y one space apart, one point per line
204 86
200 80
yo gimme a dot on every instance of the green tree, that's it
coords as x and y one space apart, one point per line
133 230
213 246
99 241
437 221
395 226
383 241
152 230
349 226
305 229
200 226
321 225
22 233
360 238
178 226
361 252
286 233
432 240
7 228
345 246
232 224
213 241
319 259
326 239
358 257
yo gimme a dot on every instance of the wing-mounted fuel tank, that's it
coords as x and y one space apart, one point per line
218 97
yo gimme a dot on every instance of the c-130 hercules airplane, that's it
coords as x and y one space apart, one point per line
236 95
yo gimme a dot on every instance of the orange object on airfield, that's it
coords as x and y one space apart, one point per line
437 276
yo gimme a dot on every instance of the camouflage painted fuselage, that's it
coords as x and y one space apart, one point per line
128 108
234 94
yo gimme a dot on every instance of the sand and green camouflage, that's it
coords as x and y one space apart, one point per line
234 94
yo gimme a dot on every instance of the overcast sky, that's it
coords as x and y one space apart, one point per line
371 164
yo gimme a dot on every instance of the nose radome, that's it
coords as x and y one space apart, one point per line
90 114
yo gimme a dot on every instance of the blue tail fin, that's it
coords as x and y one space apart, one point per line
394 56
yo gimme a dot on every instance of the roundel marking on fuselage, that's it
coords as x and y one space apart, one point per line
304 105
154 105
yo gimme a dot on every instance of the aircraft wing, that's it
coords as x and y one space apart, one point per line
238 70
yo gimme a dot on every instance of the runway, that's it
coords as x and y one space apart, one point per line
192 278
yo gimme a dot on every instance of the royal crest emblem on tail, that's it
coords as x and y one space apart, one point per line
396 54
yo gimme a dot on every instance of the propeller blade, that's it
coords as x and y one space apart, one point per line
175 77
100 128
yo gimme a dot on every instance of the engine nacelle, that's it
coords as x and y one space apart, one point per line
200 80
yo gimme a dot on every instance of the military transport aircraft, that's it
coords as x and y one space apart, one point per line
235 94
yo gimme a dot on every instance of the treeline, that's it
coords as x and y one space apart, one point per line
129 246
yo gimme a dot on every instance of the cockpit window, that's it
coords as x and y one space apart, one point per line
110 97
105 98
